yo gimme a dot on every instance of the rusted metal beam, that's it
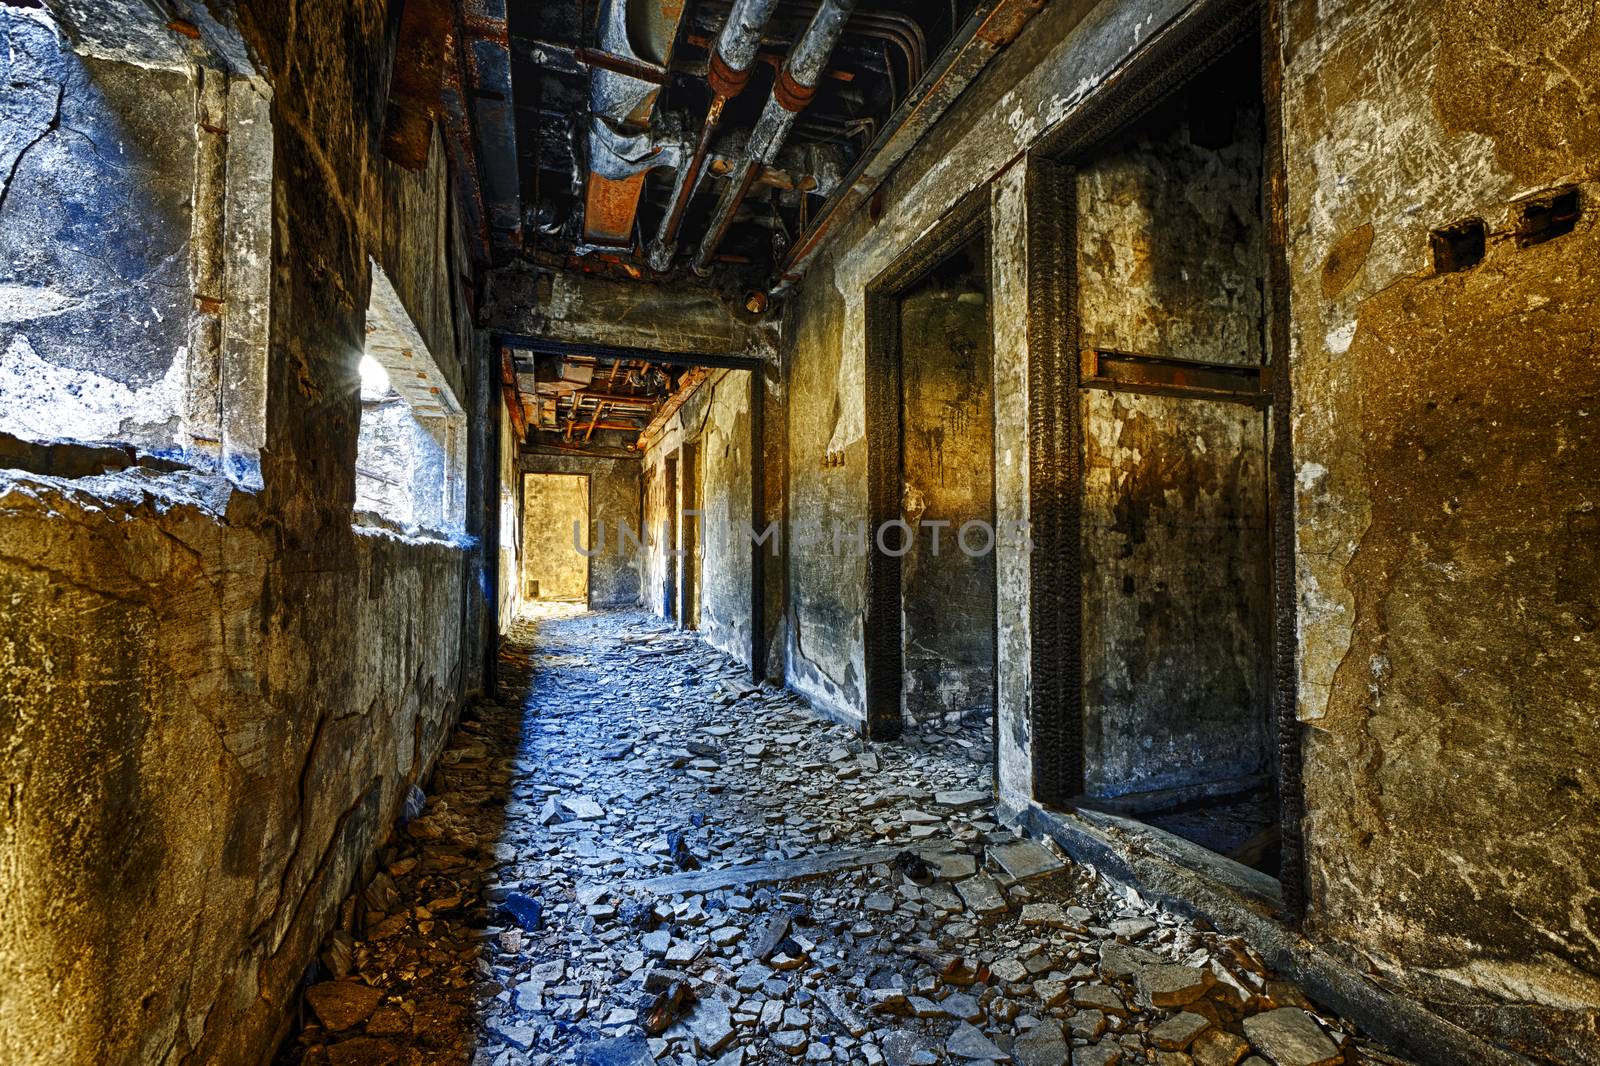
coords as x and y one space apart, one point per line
508 391
690 382
414 86
992 26
1157 376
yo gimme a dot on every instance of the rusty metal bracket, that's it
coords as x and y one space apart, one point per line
1153 375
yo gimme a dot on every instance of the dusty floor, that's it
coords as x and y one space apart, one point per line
640 858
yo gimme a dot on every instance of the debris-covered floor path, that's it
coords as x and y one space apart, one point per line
636 857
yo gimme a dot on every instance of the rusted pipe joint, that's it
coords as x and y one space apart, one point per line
725 81
792 95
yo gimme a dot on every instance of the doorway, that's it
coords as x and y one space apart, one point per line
947 577
931 578
689 553
555 536
1165 708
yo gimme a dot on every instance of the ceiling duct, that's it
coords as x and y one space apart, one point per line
728 72
622 145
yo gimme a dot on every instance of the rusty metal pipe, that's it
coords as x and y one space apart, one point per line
892 27
792 91
731 58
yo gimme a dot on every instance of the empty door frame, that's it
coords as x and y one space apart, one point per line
884 623
1151 77
588 528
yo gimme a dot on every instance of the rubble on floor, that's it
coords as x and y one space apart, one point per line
640 858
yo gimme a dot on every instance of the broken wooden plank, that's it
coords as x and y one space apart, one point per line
756 873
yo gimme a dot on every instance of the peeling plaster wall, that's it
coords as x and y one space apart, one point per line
212 699
825 657
1061 56
1445 449
717 419
1175 553
1448 454
614 497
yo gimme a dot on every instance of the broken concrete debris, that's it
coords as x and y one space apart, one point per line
537 911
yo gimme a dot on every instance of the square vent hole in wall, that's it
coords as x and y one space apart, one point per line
411 451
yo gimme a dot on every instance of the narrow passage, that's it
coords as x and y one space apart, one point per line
637 857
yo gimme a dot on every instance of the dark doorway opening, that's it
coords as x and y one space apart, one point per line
931 575
1174 536
947 577
689 552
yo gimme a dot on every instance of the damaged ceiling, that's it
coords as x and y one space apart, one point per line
703 141
705 144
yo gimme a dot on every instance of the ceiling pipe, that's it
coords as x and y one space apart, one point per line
796 84
731 59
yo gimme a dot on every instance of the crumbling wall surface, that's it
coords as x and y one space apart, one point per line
212 700
825 657
585 309
1447 449
657 567
726 466
204 737
1062 56
555 535
1175 592
613 500
1170 241
947 422
1174 542
97 164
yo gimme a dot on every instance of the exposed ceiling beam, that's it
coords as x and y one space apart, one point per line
545 346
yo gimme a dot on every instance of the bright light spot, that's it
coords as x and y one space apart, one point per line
374 379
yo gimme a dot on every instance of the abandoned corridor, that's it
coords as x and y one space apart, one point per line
635 855
1084 509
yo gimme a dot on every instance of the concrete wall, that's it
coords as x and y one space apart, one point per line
586 309
715 423
213 698
1447 454
1176 606
555 535
614 487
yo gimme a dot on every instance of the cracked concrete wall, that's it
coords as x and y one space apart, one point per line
614 497
98 163
213 698
1447 454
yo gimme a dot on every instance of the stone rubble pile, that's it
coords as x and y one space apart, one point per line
639 858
